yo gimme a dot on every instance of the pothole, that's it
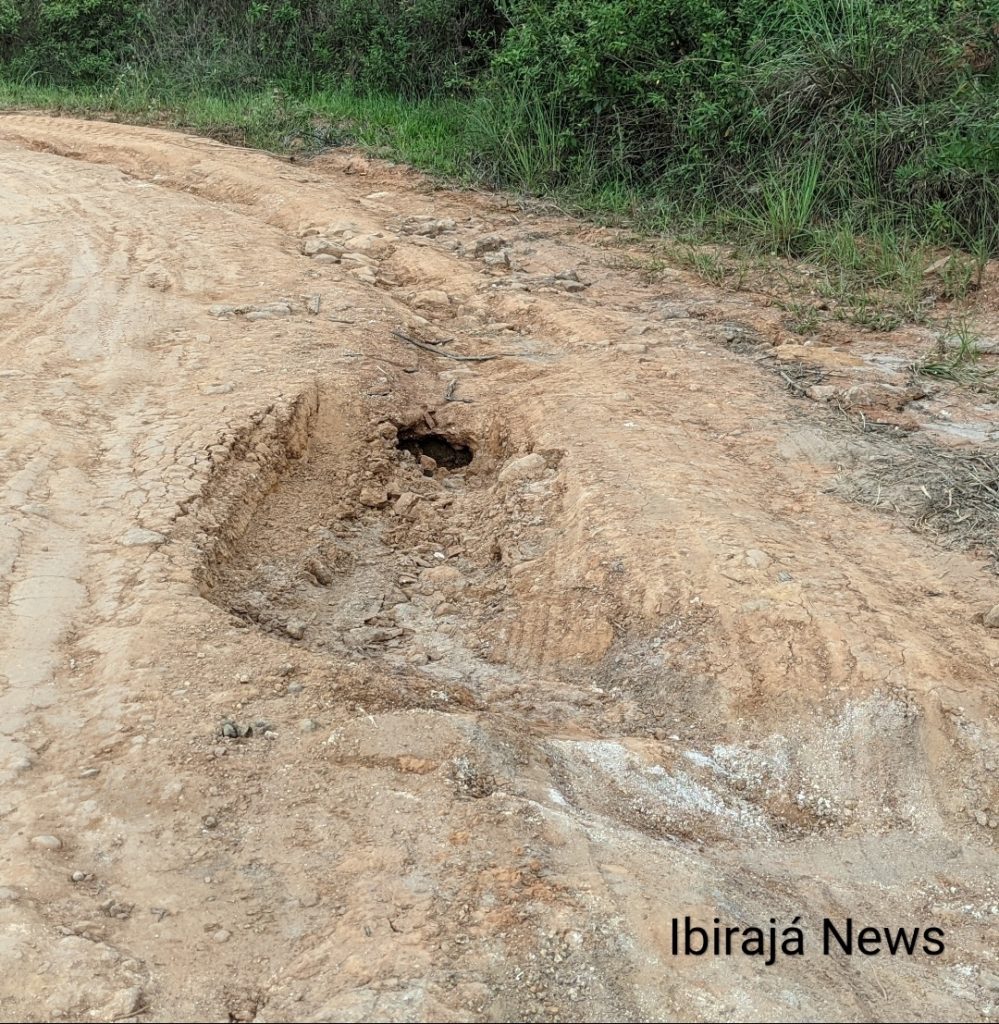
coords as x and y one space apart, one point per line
400 539
441 450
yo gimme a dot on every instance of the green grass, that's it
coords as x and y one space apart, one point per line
956 357
875 278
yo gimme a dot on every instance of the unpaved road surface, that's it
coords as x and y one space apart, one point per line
343 680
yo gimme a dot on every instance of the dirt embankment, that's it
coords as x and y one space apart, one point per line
409 612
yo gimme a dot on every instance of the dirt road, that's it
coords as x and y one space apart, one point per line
345 679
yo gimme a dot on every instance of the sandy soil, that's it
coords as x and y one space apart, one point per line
345 679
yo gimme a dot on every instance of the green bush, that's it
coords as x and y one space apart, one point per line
66 40
780 117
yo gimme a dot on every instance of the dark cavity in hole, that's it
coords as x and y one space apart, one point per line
448 454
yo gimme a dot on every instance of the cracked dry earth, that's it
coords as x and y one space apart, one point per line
343 680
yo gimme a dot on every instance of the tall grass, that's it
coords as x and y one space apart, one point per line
859 136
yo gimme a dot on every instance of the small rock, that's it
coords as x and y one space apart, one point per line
89 773
487 243
991 618
405 502
295 687
526 467
138 537
295 629
313 304
446 577
881 396
46 843
222 935
244 679
757 559
982 818
821 392
374 497
307 725
428 227
432 297
500 258
267 314
79 876
319 246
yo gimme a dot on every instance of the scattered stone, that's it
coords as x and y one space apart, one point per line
982 818
222 935
445 577
405 502
757 559
487 243
295 687
78 876
358 259
218 389
500 258
991 618
126 1004
432 297
374 497
526 467
429 227
821 392
319 246
307 725
244 679
46 843
881 396
22 764
138 537
272 311
365 275
313 304
295 629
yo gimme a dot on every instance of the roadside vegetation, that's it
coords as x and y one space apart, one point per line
847 151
